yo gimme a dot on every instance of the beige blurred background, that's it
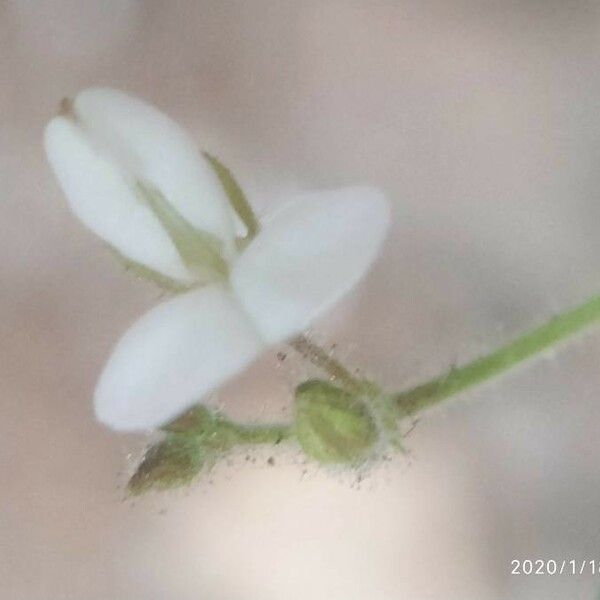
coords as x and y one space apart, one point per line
480 118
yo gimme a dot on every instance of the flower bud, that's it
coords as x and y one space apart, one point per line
332 425
195 439
171 463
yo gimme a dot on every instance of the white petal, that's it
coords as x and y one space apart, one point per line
99 194
160 152
172 357
309 255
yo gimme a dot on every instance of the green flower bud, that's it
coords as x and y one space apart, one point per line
171 463
196 438
332 425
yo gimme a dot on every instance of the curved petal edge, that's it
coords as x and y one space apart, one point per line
172 357
307 256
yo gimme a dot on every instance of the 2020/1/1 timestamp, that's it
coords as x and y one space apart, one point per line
551 566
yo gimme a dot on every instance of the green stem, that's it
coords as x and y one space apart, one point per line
527 346
321 359
199 420
262 434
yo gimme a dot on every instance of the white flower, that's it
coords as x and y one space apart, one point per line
136 179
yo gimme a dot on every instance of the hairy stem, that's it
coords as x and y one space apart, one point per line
321 359
262 434
512 354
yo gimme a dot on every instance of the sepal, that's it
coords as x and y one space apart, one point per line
333 425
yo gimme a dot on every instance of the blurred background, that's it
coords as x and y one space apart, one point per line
480 119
